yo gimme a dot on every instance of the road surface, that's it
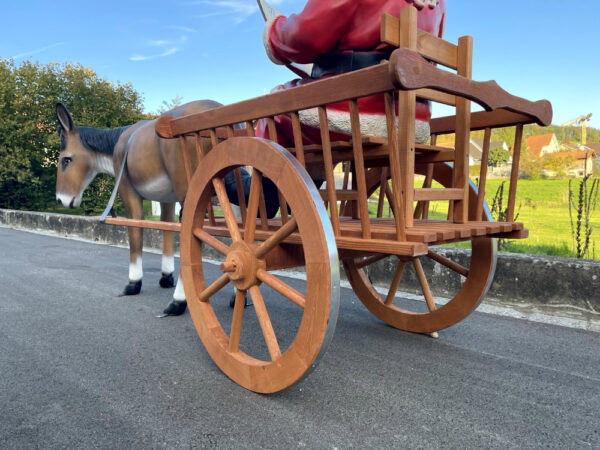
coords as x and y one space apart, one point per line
84 368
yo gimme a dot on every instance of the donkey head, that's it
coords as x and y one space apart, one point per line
75 163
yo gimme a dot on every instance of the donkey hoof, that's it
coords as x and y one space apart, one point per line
167 281
175 308
133 288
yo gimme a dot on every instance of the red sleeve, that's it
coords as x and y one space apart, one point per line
316 30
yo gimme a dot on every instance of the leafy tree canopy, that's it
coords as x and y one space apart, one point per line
29 143
498 156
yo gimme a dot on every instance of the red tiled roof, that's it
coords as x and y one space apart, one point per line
536 143
578 154
594 146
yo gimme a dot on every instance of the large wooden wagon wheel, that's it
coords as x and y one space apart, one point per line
427 317
259 347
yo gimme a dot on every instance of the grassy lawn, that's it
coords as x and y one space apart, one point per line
543 207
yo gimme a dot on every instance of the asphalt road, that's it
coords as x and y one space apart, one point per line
81 367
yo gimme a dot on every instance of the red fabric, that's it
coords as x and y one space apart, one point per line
337 26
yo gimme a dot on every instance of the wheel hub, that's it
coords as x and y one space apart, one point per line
241 265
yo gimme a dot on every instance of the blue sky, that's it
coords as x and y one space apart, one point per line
213 49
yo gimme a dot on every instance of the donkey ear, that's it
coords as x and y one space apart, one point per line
64 117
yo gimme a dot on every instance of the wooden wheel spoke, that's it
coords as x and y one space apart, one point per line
395 282
207 293
284 289
253 201
210 240
424 284
277 237
265 323
448 263
236 321
230 219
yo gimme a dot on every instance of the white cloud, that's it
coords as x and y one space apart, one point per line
240 9
38 50
167 52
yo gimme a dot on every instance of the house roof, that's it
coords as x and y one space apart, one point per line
577 154
535 144
493 144
594 146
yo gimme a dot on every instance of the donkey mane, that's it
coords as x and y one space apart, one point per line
98 140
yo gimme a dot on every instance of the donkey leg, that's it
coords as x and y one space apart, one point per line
167 211
133 207
178 305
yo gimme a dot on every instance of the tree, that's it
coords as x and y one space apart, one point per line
29 142
168 105
498 156
557 164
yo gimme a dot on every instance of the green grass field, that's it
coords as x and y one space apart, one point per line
543 207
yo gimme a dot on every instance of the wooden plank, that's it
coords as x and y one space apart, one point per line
395 196
437 96
426 158
483 173
514 174
343 195
519 234
431 47
152 224
382 246
359 167
424 148
186 158
412 71
298 145
463 133
360 83
406 120
328 165
431 194
481 120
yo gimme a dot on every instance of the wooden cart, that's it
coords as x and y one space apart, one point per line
315 229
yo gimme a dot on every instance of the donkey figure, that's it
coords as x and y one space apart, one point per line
154 170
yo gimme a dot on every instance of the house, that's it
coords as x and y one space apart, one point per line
541 145
476 149
584 162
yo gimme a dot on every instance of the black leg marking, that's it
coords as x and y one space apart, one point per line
174 309
133 288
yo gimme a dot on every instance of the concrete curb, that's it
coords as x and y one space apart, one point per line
532 283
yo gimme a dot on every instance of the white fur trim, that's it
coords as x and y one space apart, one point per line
420 4
167 264
135 270
179 294
370 124
265 38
